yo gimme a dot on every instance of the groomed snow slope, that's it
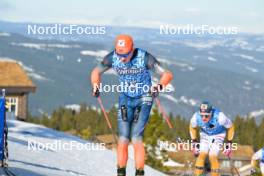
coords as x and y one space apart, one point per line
49 162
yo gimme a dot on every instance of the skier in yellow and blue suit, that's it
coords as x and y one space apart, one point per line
213 125
258 156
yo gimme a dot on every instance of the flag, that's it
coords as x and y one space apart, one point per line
2 122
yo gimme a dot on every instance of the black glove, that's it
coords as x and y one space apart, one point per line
96 92
195 147
228 149
155 90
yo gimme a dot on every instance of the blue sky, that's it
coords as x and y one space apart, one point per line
247 15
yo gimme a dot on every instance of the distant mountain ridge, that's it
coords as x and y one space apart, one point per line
227 70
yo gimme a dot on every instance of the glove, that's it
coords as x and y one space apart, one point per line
155 90
227 151
195 147
180 142
96 92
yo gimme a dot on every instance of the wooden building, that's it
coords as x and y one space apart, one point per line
107 139
17 85
241 159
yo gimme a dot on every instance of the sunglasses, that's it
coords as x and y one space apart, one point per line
123 55
205 116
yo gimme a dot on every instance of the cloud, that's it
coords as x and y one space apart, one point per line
253 14
4 5
192 10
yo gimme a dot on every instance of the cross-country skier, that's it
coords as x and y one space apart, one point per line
258 156
213 125
135 101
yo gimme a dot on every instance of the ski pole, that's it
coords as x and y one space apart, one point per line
232 166
163 112
107 119
164 115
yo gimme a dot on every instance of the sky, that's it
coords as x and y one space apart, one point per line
247 15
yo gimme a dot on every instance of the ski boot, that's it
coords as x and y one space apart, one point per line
140 172
121 171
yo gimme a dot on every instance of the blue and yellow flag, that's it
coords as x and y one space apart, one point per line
2 122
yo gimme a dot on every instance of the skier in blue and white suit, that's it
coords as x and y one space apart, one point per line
133 66
258 156
213 125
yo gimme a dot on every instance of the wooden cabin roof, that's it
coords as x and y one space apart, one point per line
12 75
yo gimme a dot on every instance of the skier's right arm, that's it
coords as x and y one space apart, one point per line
105 65
194 128
194 135
257 156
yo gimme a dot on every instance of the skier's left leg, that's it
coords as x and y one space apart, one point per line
214 165
139 154
141 117
125 117
216 141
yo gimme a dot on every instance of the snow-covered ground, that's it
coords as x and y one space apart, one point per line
50 160
100 53
44 46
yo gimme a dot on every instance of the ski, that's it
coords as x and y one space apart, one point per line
8 172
